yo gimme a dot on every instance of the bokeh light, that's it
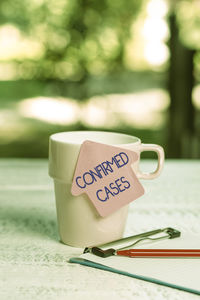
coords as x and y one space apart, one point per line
56 111
156 33
13 45
140 110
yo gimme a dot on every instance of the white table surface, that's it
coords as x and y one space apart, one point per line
34 264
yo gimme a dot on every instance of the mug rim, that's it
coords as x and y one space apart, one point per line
130 138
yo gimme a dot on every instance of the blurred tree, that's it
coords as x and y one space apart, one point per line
181 83
77 38
184 22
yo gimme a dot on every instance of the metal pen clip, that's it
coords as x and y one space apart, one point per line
107 249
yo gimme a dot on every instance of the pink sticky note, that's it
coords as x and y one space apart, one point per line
104 173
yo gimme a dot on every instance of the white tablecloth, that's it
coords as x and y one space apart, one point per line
34 263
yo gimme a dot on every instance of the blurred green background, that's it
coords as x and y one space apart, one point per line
124 66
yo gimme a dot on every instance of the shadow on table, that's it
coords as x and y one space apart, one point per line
29 221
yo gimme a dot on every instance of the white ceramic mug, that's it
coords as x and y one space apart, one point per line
78 222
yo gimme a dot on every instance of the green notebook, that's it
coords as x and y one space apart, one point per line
178 273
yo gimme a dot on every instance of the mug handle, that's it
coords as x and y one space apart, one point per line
161 155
